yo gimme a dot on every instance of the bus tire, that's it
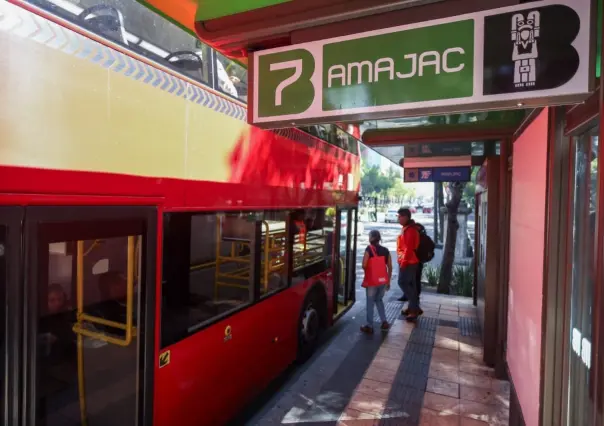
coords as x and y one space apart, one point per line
312 322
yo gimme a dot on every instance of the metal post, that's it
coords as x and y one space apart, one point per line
435 212
375 203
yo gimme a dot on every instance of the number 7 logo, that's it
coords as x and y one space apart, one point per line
284 82
296 64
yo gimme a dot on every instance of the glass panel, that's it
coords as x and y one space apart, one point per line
312 243
354 233
129 23
344 247
3 285
87 354
333 135
273 253
208 269
583 275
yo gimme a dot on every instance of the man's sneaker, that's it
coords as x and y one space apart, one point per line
385 326
405 312
411 317
367 329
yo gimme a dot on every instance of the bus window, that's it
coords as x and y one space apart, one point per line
134 26
312 242
106 21
274 263
87 325
232 77
208 272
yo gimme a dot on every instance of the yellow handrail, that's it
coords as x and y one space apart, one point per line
83 317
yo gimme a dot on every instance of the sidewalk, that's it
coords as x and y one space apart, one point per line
428 374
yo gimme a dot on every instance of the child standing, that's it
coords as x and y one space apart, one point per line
377 265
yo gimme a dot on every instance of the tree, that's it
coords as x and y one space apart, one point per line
469 191
440 196
401 193
373 182
446 269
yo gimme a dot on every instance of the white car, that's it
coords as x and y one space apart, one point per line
391 216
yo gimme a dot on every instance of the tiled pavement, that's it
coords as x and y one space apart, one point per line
428 374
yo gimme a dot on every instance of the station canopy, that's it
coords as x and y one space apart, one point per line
333 32
235 27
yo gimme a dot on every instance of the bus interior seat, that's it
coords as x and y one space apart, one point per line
185 60
106 20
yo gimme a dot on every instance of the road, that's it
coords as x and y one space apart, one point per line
389 232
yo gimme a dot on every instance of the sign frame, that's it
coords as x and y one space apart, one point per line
575 89
434 174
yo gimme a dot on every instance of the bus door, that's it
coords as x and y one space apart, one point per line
90 274
10 312
345 258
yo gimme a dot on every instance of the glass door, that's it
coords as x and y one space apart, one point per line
352 258
581 383
10 313
91 281
343 259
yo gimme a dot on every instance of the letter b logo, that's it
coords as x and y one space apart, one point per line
284 85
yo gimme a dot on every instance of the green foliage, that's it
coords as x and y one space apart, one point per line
389 187
374 182
330 212
430 275
463 280
470 189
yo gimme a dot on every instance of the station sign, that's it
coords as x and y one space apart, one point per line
443 149
526 55
438 174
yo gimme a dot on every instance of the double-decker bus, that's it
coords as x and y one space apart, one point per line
161 261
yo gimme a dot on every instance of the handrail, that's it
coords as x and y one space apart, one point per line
266 255
83 317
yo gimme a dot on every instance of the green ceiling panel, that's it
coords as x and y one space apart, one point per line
212 9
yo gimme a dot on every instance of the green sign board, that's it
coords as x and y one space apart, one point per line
530 54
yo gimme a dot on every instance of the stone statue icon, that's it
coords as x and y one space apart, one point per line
525 34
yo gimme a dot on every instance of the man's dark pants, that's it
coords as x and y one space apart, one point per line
406 281
418 278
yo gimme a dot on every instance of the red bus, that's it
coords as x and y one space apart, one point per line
161 261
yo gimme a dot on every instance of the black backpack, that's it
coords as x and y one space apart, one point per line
425 250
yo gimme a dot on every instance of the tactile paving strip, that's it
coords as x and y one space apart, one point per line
407 396
448 323
469 327
319 397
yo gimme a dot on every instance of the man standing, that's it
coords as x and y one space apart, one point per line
420 266
406 244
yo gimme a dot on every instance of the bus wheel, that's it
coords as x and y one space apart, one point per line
311 326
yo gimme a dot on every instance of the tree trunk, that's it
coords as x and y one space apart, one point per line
446 267
441 215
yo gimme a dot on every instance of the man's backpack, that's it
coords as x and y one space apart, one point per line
425 250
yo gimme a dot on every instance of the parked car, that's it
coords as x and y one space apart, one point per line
391 216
